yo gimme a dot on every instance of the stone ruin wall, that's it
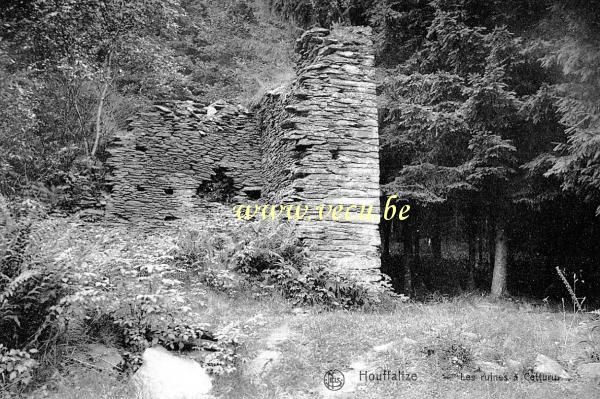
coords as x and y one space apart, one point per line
313 142
325 125
170 156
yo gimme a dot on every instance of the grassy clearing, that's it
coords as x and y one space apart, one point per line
502 332
335 340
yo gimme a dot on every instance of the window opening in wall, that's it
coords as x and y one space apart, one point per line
218 189
253 194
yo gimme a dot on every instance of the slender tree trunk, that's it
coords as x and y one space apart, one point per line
479 248
491 236
101 106
407 257
386 229
416 258
500 262
471 237
99 119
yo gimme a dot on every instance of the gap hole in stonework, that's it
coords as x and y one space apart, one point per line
140 188
335 154
219 188
302 147
141 148
253 194
170 218
169 191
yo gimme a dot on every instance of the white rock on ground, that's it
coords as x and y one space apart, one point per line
589 371
545 365
166 376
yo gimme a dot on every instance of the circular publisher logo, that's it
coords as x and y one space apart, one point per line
334 380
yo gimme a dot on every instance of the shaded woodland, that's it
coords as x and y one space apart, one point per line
489 116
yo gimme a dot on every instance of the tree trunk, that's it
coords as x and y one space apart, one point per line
99 119
416 258
500 262
386 229
471 236
407 254
491 227
479 263
101 106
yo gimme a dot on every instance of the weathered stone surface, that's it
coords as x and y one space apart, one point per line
545 365
314 141
165 376
332 156
170 158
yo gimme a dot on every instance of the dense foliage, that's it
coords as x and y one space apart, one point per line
72 72
489 120
32 297
489 114
267 257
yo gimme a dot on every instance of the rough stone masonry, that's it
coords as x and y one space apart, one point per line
313 142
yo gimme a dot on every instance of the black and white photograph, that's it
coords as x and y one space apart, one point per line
299 199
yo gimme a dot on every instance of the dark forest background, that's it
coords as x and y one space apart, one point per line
489 116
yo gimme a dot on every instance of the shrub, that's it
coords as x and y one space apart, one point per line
210 255
271 257
277 259
32 296
321 12
16 368
148 321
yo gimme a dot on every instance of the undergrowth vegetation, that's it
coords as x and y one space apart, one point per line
64 288
55 298
214 294
267 257
32 297
72 73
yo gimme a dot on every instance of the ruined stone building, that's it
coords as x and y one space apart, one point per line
312 142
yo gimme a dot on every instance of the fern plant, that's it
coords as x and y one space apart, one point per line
31 297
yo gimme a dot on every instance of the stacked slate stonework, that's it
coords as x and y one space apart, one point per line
178 156
313 142
321 142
